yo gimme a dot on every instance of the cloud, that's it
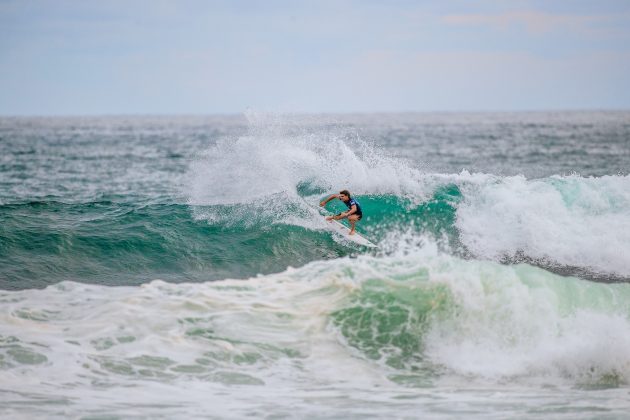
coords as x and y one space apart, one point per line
535 22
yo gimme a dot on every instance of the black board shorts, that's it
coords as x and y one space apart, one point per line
360 215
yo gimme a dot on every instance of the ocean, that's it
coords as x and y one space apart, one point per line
180 266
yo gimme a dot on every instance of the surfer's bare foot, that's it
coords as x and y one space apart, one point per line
351 232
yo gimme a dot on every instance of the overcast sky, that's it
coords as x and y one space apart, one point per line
203 57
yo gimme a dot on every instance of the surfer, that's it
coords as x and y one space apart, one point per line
354 213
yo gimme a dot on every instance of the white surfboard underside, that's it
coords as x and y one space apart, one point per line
345 232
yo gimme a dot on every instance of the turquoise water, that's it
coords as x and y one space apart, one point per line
182 265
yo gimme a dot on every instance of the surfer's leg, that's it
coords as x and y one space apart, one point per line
352 219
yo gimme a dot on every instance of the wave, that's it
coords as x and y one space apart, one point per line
112 243
471 216
415 319
250 206
279 172
486 320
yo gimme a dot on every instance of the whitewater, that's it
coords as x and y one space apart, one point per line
179 267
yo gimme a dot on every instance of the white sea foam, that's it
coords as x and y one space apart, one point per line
524 322
566 220
279 158
272 343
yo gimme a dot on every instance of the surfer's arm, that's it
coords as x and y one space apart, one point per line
345 214
323 203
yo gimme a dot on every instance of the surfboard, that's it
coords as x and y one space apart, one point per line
344 231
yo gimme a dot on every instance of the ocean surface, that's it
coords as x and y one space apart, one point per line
180 267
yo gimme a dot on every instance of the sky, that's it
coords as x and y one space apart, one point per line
90 57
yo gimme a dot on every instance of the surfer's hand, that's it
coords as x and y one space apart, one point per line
329 218
322 204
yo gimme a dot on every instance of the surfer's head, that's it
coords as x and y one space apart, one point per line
344 195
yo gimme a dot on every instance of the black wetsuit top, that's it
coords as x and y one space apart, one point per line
353 202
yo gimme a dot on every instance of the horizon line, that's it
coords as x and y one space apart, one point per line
324 113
